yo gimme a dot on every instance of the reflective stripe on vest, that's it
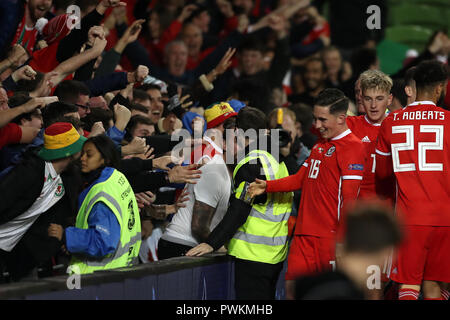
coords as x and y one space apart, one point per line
268 241
107 196
119 252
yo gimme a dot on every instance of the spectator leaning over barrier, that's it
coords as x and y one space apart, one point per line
32 192
107 232
257 230
207 204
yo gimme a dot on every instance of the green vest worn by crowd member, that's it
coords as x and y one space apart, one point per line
117 194
263 237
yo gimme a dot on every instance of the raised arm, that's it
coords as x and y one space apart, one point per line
70 65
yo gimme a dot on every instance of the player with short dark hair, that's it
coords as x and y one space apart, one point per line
329 179
414 145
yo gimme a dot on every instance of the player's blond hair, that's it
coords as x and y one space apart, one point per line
375 79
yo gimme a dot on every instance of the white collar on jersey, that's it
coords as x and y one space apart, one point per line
343 134
420 102
370 122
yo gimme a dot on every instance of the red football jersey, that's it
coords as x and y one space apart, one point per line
417 139
367 132
330 162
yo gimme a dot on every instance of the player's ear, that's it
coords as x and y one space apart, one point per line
390 98
408 91
342 118
438 89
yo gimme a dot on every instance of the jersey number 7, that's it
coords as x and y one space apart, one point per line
423 147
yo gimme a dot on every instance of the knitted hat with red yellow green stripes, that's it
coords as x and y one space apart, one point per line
61 140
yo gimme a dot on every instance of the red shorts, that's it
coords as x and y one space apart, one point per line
309 255
423 255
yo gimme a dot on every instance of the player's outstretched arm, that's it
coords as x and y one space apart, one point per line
291 183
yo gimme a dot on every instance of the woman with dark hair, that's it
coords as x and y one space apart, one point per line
107 232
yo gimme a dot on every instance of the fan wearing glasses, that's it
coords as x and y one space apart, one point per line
75 92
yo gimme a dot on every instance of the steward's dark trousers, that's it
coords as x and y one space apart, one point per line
255 280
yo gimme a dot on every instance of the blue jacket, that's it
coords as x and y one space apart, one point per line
103 235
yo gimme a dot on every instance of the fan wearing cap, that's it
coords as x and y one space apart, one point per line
215 116
34 187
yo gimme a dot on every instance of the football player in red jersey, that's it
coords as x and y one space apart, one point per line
414 145
329 180
376 96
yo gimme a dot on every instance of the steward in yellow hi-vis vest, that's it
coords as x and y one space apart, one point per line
263 237
113 190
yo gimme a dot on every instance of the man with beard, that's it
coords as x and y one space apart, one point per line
413 144
314 80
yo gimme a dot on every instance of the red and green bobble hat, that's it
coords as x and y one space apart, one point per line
61 140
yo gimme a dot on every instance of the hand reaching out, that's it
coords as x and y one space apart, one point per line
46 85
163 162
148 154
99 45
243 23
138 75
136 146
56 231
225 62
278 24
97 129
122 115
24 73
181 200
133 31
94 33
184 174
186 12
256 188
145 199
185 102
200 250
38 102
16 55
105 4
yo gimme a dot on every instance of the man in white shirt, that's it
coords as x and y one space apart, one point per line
207 204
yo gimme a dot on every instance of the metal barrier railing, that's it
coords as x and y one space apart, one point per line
190 278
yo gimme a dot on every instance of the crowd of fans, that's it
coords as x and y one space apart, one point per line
129 77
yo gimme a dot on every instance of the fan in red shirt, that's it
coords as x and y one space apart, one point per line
414 145
27 30
376 96
329 180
